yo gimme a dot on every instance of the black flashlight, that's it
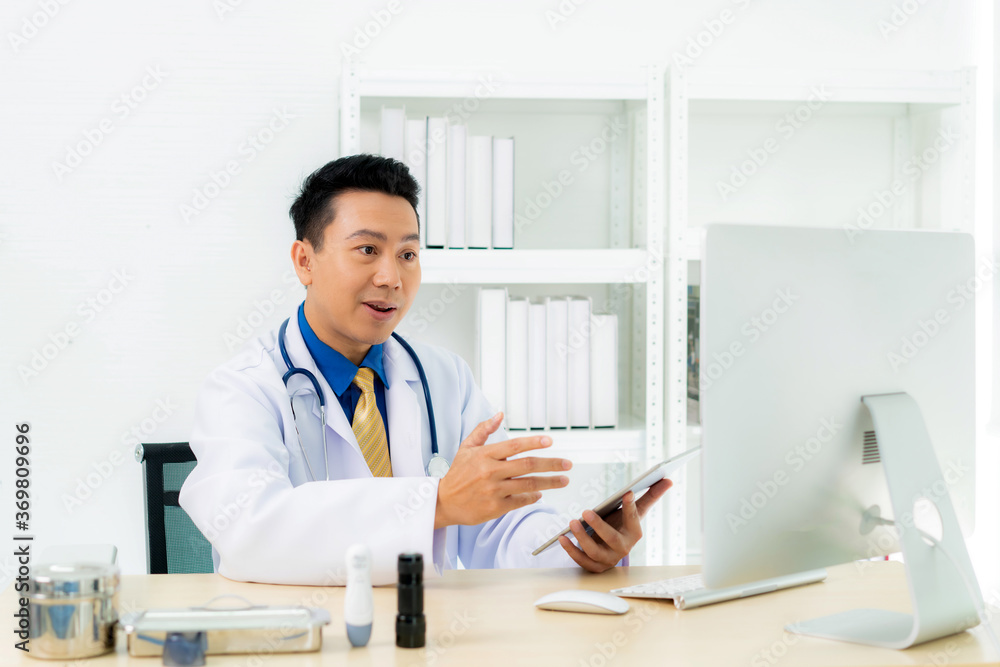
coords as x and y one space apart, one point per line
411 626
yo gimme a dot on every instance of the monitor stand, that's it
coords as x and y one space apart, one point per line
942 603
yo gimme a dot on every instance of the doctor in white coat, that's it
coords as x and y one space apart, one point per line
278 509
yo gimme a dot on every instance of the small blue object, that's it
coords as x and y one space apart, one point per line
359 634
185 649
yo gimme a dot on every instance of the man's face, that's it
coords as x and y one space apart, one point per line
364 278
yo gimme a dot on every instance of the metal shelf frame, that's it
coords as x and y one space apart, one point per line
912 91
643 93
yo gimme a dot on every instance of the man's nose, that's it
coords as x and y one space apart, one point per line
388 274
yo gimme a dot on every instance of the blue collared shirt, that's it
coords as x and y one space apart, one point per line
339 372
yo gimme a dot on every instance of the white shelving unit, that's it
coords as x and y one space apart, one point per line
635 224
906 99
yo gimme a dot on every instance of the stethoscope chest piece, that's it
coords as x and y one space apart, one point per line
438 466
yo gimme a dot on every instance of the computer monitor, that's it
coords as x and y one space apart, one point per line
797 325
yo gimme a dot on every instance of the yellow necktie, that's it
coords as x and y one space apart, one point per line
368 427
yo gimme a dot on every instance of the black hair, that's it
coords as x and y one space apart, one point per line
313 209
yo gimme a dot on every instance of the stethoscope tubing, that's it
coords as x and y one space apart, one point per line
294 370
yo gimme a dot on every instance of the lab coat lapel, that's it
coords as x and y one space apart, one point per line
403 411
335 417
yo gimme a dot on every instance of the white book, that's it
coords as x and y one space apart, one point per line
536 366
556 377
393 124
491 348
517 364
503 192
415 158
437 182
578 362
479 192
456 186
604 370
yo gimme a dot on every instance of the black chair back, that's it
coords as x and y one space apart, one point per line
173 543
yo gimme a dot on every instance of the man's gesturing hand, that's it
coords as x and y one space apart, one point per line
613 537
482 484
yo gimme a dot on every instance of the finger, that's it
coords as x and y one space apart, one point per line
518 485
630 517
508 448
519 500
580 558
530 464
599 553
483 431
619 541
654 493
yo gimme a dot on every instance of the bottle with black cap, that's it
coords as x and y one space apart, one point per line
411 626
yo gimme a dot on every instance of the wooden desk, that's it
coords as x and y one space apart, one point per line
486 617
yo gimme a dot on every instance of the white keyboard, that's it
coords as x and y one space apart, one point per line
665 589
689 591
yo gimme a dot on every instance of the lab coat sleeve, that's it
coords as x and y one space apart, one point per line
263 528
506 542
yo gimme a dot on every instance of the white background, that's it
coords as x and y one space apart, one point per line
227 70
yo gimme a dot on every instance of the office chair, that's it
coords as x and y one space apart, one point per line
173 543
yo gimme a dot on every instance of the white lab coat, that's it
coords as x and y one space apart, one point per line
251 493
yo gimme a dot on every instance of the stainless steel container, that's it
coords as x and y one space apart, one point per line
73 609
253 629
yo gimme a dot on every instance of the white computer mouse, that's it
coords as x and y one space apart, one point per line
588 602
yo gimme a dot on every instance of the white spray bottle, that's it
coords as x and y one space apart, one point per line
359 606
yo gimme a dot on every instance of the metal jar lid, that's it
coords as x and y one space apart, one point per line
74 580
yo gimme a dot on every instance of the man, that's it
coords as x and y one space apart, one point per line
281 498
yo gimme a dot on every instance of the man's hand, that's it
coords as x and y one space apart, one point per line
614 537
482 484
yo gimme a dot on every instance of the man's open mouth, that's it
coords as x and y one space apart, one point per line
380 307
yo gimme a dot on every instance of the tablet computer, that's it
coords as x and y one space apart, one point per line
636 486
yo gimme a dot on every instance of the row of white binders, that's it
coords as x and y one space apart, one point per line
552 364
466 181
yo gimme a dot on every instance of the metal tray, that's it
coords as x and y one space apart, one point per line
253 629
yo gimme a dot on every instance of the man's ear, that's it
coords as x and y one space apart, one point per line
302 261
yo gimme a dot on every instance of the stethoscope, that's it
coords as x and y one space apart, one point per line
436 467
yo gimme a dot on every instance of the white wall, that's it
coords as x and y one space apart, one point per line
224 77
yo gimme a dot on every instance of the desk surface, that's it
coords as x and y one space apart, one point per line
486 617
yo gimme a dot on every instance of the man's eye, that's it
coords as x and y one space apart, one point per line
368 249
408 255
